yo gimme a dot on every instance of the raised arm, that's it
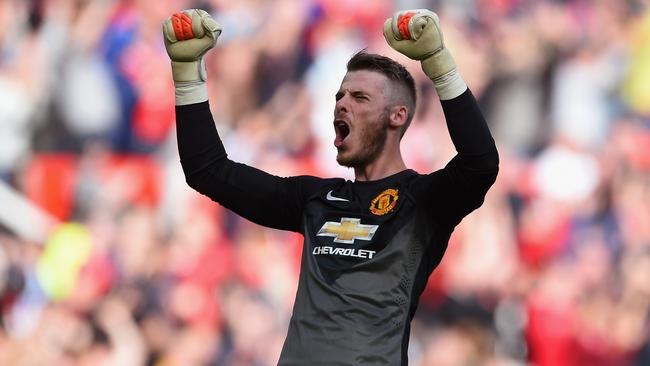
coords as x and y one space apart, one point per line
258 196
461 186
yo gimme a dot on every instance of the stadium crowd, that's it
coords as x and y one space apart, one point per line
137 269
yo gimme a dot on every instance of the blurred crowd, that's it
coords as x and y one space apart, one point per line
126 265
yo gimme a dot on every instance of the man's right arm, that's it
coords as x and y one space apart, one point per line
258 196
254 194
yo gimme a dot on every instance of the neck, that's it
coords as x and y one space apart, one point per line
389 162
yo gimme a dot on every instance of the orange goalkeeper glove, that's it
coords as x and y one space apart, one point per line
188 36
417 35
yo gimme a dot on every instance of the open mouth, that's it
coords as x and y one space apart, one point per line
342 131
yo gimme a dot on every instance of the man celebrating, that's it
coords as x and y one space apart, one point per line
370 244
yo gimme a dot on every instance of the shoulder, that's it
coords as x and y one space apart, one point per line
415 180
311 185
317 182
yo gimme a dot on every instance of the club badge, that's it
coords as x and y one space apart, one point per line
384 202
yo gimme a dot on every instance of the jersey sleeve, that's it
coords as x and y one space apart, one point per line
260 197
460 187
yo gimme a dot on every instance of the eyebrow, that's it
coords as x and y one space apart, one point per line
355 93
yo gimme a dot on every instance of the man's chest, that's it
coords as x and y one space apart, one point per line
345 228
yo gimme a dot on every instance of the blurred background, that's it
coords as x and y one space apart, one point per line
108 258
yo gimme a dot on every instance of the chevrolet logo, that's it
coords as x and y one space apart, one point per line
347 230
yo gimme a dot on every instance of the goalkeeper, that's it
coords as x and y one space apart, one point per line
369 244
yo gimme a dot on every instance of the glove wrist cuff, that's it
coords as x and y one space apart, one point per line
441 69
186 71
449 85
190 92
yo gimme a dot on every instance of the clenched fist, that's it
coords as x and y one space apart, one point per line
188 35
417 35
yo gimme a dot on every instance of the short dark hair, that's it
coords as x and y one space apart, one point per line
394 71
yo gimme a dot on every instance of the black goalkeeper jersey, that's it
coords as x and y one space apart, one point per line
369 247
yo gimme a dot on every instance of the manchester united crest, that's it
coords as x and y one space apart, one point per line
384 202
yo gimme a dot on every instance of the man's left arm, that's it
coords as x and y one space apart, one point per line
461 186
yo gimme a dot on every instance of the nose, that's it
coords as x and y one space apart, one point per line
341 105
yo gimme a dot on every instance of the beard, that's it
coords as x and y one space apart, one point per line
373 140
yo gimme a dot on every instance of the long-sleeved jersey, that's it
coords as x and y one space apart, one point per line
369 246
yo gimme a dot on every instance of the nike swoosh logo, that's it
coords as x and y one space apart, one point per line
332 198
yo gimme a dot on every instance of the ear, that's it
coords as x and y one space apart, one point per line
398 114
